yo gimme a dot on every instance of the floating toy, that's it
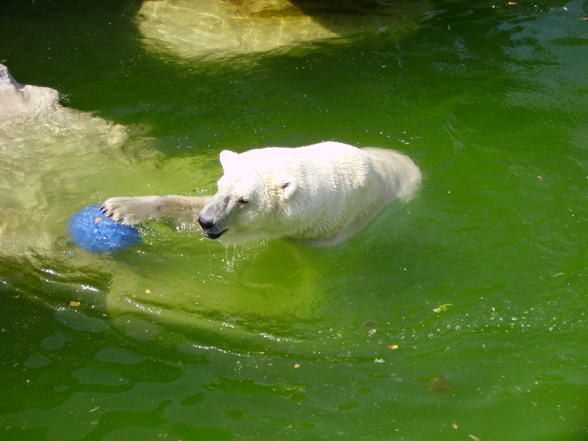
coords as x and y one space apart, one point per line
93 231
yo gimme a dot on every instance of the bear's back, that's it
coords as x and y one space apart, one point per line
343 188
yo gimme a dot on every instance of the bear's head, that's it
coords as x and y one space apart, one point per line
252 198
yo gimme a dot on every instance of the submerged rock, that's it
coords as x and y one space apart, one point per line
49 155
219 28
33 112
18 99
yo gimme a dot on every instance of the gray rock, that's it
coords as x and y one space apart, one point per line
219 28
18 99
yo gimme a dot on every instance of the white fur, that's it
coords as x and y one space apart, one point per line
318 195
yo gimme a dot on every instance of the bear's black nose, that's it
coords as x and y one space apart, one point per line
206 224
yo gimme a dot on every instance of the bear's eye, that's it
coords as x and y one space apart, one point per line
243 201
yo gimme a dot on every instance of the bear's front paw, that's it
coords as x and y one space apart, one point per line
130 211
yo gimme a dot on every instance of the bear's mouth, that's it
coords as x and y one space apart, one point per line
211 235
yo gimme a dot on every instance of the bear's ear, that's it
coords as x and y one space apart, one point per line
227 158
288 184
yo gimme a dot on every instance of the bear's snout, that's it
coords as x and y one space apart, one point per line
209 228
206 224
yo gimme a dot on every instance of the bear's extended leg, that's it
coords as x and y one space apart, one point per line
134 210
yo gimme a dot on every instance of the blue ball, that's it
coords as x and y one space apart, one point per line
91 230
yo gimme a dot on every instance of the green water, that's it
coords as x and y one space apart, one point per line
179 338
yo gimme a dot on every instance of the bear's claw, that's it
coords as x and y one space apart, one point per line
130 210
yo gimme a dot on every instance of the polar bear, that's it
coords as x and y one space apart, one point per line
318 195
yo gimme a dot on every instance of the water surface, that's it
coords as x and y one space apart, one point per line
457 315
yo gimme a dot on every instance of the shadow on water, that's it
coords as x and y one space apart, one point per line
360 15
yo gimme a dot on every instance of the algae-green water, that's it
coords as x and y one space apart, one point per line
457 315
